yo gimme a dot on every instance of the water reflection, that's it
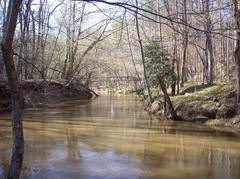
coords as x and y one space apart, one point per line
112 137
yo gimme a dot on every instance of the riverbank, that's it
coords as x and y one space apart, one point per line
209 104
39 92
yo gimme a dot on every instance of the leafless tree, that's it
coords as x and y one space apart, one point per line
7 52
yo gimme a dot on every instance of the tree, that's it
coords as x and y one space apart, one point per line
185 44
158 60
236 5
1 67
209 47
142 55
7 52
160 72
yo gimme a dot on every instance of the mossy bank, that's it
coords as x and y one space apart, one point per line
210 104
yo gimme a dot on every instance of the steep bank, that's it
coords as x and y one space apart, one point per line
39 92
210 104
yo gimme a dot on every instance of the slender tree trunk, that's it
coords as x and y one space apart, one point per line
33 45
142 55
1 67
19 62
167 98
227 57
173 85
236 4
178 79
210 60
183 66
209 47
185 45
17 128
71 31
27 35
131 52
176 82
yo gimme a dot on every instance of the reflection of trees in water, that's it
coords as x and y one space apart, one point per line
47 137
72 147
4 156
37 144
191 156
172 147
114 106
5 144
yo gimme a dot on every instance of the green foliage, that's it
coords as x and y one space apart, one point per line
139 91
195 88
204 93
158 61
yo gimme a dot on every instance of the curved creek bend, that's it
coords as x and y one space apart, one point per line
113 137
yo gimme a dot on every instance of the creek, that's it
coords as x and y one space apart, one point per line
113 137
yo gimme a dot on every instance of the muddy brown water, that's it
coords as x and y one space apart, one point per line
113 137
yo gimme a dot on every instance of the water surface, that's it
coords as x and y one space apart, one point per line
113 137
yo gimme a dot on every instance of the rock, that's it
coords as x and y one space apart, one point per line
184 111
218 104
155 107
211 114
159 113
235 120
229 97
231 94
226 111
188 111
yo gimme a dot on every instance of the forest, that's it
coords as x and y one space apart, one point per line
176 61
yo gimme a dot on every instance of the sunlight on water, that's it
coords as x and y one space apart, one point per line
112 137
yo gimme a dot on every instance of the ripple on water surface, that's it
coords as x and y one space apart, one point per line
113 137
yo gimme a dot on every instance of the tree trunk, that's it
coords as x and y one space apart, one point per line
184 59
142 55
131 52
237 49
31 76
6 45
173 85
167 98
1 67
185 45
71 32
178 79
209 48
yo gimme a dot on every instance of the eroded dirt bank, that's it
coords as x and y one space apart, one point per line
39 92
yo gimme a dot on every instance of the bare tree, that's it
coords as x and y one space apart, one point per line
131 51
142 54
236 5
209 48
185 44
7 51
